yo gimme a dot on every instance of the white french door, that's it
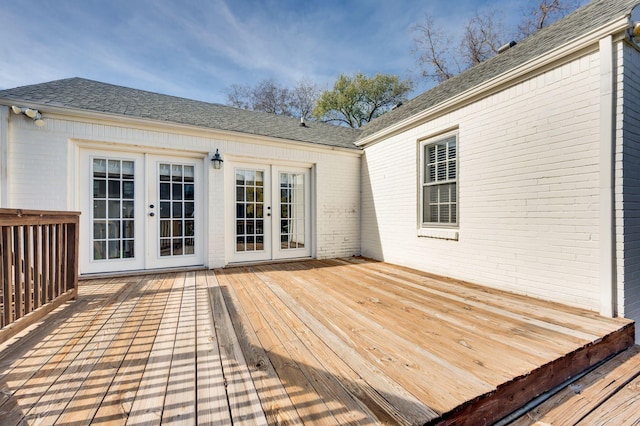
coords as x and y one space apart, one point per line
139 211
174 212
270 212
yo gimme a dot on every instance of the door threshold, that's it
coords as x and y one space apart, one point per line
265 262
138 272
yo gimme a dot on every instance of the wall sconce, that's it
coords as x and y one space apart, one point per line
217 160
634 33
33 114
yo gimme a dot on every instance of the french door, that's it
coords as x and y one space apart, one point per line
270 212
140 211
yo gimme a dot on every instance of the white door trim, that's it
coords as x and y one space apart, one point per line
271 214
146 188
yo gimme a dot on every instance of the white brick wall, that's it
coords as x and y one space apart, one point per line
627 169
528 190
37 167
42 160
338 208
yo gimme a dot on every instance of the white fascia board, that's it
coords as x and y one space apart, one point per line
499 82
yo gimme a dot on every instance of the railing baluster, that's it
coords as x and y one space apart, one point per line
51 283
26 260
17 273
37 269
45 263
6 276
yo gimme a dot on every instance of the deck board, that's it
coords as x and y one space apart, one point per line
340 341
212 407
243 400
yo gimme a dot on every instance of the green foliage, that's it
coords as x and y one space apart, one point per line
356 100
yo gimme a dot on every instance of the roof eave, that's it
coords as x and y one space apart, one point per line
55 111
614 27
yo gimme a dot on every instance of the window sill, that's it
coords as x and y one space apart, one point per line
439 233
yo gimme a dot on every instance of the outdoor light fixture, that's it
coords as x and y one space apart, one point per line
33 114
38 119
635 32
217 160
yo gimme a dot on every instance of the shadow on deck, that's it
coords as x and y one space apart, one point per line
345 341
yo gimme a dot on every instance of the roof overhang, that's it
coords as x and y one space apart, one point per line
60 112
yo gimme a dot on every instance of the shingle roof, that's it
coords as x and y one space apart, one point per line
589 17
82 94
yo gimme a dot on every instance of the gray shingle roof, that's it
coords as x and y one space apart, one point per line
589 17
82 94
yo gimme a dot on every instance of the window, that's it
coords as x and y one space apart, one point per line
439 192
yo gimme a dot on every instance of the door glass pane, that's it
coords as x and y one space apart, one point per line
189 174
292 222
189 246
177 227
112 199
249 210
165 191
99 188
189 210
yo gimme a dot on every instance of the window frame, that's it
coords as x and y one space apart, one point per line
422 184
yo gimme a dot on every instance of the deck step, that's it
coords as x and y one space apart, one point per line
608 394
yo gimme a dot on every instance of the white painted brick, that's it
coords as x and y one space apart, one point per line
627 191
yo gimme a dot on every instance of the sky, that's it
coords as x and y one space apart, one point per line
197 49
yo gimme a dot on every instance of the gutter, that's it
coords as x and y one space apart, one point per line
498 82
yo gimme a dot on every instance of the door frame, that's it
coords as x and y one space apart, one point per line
271 167
86 262
153 259
80 184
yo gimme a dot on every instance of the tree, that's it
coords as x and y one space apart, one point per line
433 52
356 100
270 96
483 35
543 14
304 97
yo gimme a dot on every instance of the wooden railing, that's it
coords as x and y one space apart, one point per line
38 265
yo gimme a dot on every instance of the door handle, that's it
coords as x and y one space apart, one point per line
152 214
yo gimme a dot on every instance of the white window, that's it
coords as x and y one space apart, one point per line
439 182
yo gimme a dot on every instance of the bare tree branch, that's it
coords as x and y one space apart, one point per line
432 51
544 13
483 35
269 96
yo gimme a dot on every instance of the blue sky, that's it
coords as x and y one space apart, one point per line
199 48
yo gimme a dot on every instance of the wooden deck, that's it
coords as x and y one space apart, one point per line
345 341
